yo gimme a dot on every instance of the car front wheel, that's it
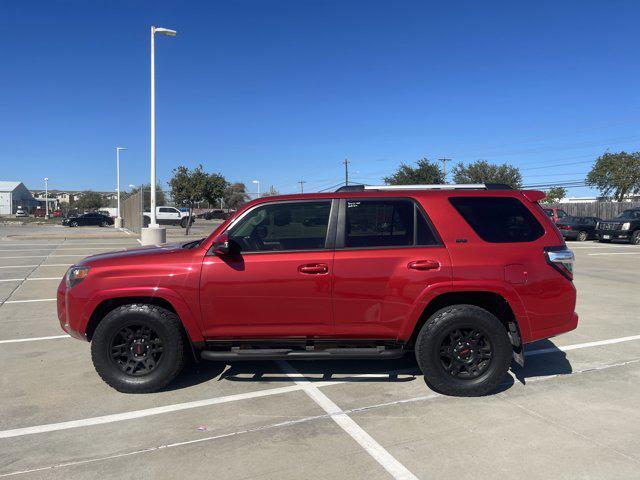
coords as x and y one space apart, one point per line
463 350
138 348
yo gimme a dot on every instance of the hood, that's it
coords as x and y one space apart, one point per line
133 255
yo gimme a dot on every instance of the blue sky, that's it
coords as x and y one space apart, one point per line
285 90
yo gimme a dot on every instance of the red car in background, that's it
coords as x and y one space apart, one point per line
555 214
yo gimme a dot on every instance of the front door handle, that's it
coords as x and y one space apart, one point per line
424 265
314 268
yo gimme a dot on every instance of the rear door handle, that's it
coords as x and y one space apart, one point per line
314 268
424 265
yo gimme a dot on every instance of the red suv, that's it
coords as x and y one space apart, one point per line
463 277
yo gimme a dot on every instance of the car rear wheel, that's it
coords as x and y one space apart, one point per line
583 236
463 350
73 224
138 348
104 223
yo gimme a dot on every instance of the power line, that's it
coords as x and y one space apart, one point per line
346 171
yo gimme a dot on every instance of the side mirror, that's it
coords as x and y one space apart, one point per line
221 245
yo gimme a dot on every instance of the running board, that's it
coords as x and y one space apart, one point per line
291 354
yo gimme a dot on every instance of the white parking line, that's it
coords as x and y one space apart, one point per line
19 266
28 279
58 249
577 346
30 301
616 253
117 417
12 280
387 461
33 339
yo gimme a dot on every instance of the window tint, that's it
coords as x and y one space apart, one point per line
562 214
549 212
283 226
385 223
499 219
167 210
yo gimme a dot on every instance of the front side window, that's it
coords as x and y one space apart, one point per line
283 227
385 223
498 219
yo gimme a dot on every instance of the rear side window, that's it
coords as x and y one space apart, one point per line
385 223
499 219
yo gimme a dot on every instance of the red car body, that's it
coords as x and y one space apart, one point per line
356 293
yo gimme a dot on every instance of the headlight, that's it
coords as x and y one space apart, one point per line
76 275
626 226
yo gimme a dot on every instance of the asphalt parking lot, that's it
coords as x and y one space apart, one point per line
570 413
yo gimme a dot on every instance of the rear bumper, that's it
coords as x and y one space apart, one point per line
557 329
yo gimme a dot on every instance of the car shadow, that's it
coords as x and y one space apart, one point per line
542 359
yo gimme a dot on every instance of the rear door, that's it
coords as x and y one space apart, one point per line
387 256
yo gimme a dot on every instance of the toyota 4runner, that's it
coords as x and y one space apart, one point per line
461 276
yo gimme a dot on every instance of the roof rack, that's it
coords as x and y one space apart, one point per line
442 186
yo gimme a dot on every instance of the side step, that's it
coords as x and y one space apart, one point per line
237 354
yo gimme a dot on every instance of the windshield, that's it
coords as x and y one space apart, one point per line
630 215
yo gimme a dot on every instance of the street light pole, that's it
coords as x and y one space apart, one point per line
46 197
154 235
118 223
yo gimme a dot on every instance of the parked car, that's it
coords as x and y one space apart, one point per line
168 216
626 226
57 214
578 228
460 277
555 214
20 212
93 218
216 214
39 212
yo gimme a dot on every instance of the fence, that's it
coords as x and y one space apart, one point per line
132 213
602 210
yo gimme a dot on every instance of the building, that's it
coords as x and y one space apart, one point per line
14 195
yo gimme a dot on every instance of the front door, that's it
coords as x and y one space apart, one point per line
277 280
387 257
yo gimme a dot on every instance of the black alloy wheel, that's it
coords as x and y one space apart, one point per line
465 353
136 349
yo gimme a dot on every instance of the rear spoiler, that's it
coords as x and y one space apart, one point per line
533 195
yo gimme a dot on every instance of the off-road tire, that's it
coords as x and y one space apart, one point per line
164 323
583 236
437 329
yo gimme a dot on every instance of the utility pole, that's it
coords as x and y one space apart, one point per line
346 171
302 182
444 166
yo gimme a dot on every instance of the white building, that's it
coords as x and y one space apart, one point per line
14 195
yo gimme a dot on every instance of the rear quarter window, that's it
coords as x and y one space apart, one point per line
499 219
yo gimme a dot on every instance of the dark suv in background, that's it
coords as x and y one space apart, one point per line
625 226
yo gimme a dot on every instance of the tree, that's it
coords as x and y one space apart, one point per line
425 172
555 194
482 171
89 200
616 173
234 196
189 187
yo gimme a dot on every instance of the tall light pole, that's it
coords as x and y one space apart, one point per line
257 182
154 235
118 223
46 197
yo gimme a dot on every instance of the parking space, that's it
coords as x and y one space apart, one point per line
569 413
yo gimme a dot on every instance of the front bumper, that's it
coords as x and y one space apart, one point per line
68 311
613 234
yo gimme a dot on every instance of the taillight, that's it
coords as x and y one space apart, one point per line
561 258
564 227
